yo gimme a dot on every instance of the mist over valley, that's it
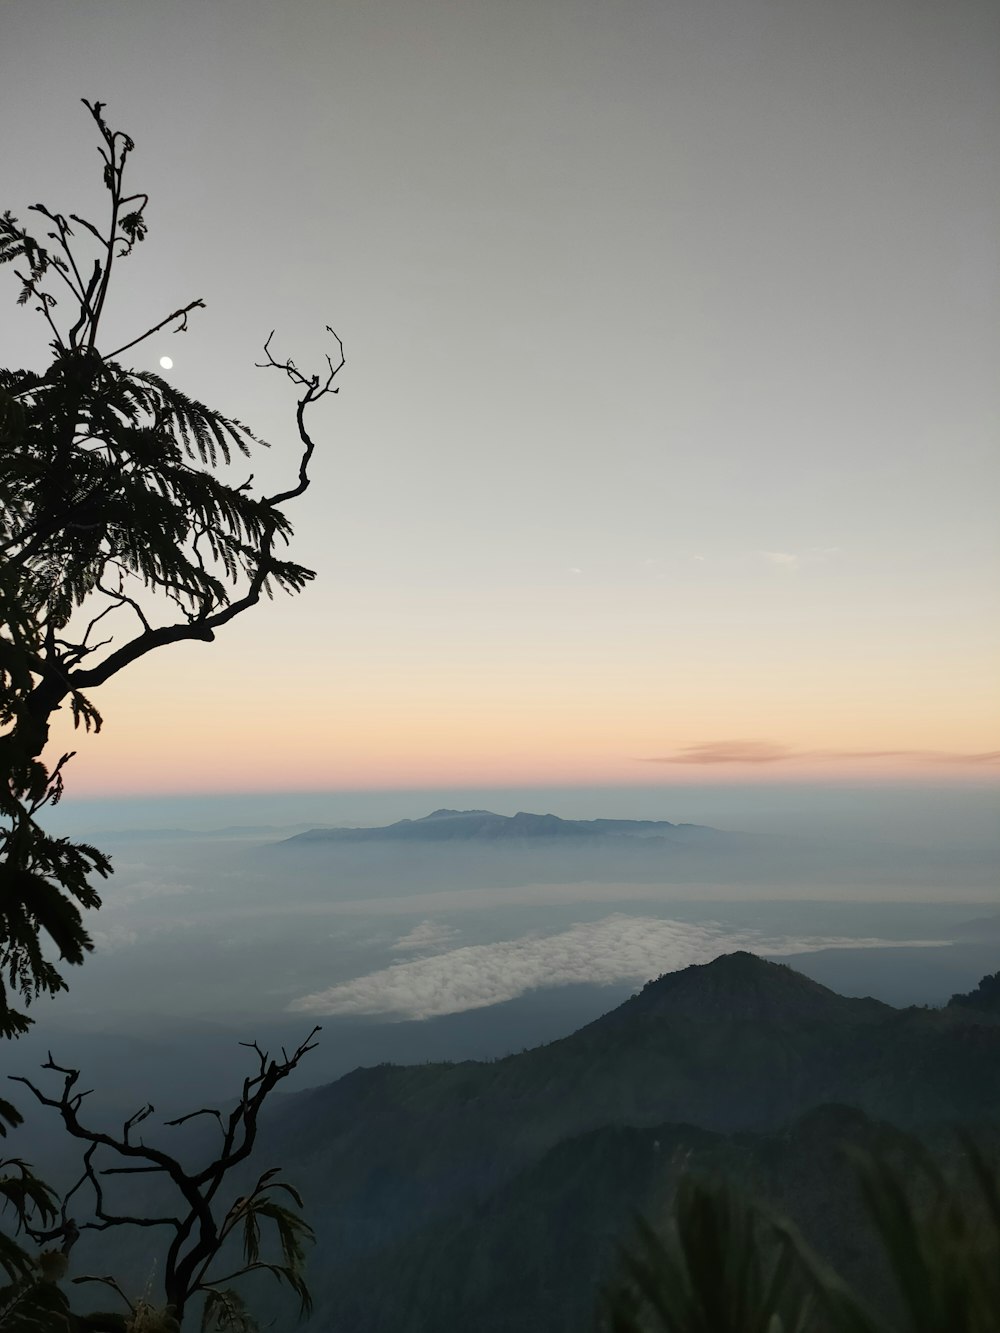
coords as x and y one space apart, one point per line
461 936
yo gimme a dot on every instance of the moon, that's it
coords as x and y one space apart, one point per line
167 362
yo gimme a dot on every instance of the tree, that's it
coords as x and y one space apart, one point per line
119 536
121 533
985 997
200 1228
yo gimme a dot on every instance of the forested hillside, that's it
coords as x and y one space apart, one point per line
494 1196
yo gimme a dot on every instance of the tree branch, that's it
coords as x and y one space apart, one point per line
315 389
198 1236
181 314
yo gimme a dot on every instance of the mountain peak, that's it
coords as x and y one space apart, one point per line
445 813
744 988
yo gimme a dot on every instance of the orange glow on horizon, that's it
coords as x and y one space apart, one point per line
276 760
191 722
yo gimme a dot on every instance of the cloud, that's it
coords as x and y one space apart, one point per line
427 937
771 752
117 937
726 752
781 559
794 560
618 948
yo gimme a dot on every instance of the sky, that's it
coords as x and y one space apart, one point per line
665 450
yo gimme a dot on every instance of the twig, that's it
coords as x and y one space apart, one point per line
181 314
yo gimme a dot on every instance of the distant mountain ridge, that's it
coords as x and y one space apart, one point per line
484 826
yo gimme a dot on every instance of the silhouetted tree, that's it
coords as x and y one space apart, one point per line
118 536
120 533
985 997
199 1260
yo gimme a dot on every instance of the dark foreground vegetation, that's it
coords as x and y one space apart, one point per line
122 532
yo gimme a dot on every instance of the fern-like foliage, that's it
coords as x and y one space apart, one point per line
225 1311
726 1264
717 1268
111 478
292 1233
30 1299
34 1304
941 1237
121 531
45 882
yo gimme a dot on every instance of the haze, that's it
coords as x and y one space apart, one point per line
216 929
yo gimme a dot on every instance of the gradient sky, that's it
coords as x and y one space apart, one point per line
666 446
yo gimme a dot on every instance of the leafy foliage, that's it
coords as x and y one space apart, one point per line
724 1263
44 881
119 534
941 1237
35 1304
711 1273
986 996
30 1298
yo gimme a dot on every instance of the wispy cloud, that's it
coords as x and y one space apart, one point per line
781 559
725 752
117 937
617 948
771 752
426 937
792 561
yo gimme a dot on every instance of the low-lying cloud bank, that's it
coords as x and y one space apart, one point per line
618 948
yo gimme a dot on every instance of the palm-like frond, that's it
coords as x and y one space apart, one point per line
719 1268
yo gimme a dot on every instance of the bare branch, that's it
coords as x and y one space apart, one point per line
181 314
315 388
198 1236
205 1110
142 1114
130 1170
121 598
106 1282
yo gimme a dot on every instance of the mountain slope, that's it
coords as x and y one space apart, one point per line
470 1195
532 1256
394 1148
474 1195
